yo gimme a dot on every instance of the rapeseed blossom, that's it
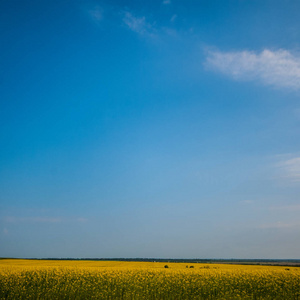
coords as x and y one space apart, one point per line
34 279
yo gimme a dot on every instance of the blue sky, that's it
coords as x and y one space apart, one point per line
150 129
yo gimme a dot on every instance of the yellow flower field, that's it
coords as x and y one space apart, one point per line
50 279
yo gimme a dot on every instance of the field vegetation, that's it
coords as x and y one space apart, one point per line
50 279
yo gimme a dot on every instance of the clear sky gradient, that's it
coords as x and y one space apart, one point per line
163 128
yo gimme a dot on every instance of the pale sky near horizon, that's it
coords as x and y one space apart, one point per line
166 129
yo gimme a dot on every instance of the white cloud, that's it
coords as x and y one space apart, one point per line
293 208
137 24
11 219
247 202
96 13
276 68
31 220
166 2
290 168
81 220
280 225
173 18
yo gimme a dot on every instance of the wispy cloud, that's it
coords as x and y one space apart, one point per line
137 24
11 219
144 25
96 13
247 202
290 168
292 208
173 18
276 68
280 225
81 220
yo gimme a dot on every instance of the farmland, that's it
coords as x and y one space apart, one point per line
58 279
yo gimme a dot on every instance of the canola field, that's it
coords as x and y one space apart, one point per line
50 279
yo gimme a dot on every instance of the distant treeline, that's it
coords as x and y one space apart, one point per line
184 260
